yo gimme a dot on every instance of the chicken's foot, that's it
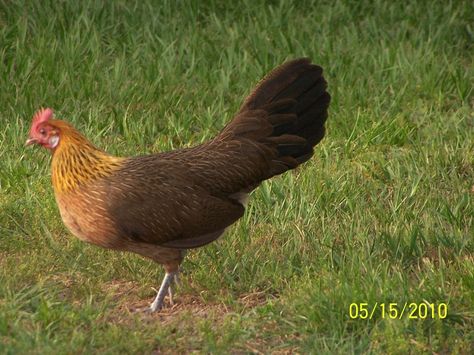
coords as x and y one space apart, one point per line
165 288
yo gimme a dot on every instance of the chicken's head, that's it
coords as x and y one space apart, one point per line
42 132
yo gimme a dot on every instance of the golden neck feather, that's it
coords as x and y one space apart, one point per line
77 162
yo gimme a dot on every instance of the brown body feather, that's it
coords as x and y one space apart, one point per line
159 205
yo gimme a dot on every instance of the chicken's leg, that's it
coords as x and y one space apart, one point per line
165 288
175 281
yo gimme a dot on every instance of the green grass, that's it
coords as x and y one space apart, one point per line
383 213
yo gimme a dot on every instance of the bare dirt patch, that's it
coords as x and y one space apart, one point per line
130 301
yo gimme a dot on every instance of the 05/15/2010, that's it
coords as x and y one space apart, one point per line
393 310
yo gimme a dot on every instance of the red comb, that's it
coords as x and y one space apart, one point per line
41 116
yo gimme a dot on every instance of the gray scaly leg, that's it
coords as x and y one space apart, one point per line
164 289
175 281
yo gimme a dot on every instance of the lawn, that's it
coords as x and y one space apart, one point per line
383 213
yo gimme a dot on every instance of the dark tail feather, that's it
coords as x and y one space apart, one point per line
284 117
276 82
295 99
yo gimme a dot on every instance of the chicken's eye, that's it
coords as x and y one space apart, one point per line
42 131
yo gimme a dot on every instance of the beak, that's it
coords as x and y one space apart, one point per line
30 141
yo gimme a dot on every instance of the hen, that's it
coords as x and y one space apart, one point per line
160 205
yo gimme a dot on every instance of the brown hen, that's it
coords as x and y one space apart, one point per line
160 205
